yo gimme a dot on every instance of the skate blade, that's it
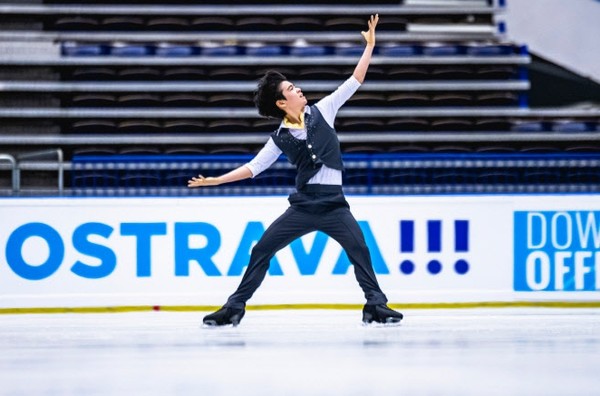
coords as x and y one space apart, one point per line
211 324
390 323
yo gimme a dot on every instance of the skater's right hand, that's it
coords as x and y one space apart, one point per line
202 181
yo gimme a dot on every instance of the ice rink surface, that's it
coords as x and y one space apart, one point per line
497 351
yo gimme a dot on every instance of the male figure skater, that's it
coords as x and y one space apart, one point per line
307 136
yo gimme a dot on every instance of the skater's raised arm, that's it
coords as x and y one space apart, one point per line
363 64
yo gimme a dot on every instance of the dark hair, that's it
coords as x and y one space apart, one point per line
267 93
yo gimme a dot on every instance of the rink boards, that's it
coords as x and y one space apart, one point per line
191 252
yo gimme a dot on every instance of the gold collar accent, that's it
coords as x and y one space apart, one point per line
289 124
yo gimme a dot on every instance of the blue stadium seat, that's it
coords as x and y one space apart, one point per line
220 50
489 50
131 49
349 49
82 49
265 50
175 50
528 126
571 126
392 49
310 50
441 49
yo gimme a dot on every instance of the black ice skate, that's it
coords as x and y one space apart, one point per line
381 314
225 316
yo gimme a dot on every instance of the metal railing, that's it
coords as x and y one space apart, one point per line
14 170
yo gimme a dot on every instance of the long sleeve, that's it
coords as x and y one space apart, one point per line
265 158
329 105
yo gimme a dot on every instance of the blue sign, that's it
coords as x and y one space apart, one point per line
557 251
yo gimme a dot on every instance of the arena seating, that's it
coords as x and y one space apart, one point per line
155 80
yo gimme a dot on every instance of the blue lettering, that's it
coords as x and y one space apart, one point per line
379 266
184 254
309 261
556 251
143 233
81 242
14 247
253 232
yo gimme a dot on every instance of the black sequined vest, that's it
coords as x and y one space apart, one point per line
321 147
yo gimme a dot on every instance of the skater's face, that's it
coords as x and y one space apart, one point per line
294 98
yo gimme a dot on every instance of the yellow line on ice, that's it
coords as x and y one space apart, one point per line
193 308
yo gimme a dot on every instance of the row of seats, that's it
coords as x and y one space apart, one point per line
301 48
107 126
222 150
235 73
239 99
362 171
249 23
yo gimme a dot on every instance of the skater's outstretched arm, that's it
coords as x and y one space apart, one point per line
363 64
241 173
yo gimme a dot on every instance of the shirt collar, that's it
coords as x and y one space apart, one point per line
286 124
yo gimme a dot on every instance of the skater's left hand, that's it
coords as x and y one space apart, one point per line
370 34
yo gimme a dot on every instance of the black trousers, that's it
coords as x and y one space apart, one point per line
314 208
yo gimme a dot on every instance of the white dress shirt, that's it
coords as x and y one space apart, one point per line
328 106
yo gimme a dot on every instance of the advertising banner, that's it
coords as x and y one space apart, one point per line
80 252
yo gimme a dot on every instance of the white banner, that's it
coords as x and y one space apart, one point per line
77 252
